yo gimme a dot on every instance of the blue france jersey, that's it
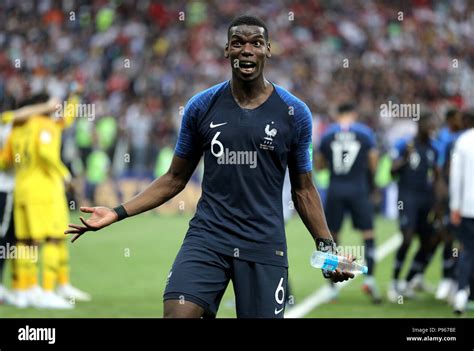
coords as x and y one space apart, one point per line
246 153
446 161
441 142
346 149
417 174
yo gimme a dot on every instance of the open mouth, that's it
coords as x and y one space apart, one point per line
247 67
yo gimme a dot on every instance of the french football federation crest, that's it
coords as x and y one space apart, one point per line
268 140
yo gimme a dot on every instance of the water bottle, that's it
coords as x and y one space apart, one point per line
332 262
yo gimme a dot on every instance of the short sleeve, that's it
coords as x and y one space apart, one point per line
371 138
301 156
188 145
398 149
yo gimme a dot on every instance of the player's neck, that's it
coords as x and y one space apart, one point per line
251 93
423 139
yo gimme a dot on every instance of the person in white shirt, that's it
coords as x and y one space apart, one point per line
461 189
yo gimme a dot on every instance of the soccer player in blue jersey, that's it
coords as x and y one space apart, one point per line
348 149
442 230
249 131
415 166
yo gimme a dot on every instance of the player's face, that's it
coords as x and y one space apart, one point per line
427 129
456 122
247 51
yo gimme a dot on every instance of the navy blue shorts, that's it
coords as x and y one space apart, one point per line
359 207
201 275
413 212
466 234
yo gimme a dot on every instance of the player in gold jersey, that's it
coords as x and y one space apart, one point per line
41 212
7 231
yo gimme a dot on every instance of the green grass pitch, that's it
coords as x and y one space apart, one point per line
124 267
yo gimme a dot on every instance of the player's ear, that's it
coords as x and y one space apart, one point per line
226 50
269 53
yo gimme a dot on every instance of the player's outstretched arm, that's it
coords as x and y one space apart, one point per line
101 217
156 194
373 161
23 113
308 204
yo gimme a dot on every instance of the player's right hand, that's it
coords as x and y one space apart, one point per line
100 217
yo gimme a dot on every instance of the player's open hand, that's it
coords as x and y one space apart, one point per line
100 217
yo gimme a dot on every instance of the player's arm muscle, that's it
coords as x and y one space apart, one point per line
441 192
164 188
373 156
23 113
309 207
157 193
308 204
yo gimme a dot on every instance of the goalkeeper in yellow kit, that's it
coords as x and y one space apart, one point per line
40 209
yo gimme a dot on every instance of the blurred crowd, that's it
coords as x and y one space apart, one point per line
139 61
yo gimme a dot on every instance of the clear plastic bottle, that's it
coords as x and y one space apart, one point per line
332 262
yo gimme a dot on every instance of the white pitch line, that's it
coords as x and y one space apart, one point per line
323 294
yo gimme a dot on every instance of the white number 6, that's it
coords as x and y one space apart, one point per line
277 292
219 144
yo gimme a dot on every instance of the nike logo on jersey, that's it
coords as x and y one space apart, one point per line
216 125
277 311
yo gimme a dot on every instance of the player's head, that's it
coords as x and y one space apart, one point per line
453 119
346 111
247 47
34 99
468 119
426 126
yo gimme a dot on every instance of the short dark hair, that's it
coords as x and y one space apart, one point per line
426 117
249 21
34 99
468 118
451 113
346 107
